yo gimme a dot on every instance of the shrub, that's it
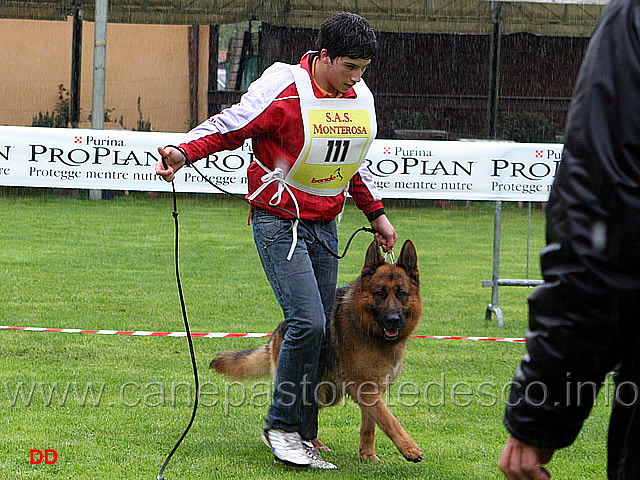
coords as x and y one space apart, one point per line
527 127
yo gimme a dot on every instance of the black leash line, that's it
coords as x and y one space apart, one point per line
181 294
277 207
186 326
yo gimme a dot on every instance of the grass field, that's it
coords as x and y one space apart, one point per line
114 406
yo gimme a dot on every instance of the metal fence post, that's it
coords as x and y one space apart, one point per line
495 275
99 74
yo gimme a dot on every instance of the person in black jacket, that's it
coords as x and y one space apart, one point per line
584 321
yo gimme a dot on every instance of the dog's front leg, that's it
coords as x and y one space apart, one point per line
370 399
367 437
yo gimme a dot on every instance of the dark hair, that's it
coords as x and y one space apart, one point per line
347 35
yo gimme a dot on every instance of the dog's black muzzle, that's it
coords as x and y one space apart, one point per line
391 323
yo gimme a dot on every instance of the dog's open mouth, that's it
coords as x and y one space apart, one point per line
391 333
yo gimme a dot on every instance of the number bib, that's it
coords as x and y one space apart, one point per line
337 135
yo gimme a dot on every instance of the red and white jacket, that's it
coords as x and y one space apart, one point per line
270 115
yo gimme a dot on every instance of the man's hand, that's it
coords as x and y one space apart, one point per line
172 161
520 461
385 233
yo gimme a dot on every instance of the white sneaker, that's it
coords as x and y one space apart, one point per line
287 447
316 460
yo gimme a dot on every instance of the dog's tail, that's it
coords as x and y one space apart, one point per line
252 363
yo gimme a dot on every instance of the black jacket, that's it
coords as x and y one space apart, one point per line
583 322
594 206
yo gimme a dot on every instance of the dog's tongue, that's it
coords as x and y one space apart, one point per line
391 333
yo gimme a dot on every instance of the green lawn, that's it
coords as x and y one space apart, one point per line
113 406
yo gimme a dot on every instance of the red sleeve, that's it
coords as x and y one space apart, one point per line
208 137
365 194
257 114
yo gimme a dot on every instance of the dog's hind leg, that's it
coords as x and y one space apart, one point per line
367 437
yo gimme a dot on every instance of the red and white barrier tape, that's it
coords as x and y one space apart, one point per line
477 339
144 333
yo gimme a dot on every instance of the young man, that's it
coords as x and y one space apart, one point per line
311 125
583 322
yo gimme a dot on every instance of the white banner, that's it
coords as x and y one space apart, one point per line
124 160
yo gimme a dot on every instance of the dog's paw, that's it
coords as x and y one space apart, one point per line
369 457
413 453
318 445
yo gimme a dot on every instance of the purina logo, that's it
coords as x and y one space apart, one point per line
102 142
413 151
549 154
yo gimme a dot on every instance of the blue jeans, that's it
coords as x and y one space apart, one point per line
305 288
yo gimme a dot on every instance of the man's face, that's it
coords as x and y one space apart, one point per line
344 72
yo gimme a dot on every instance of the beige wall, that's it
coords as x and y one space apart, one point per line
150 61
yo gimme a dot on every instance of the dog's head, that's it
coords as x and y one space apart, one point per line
391 292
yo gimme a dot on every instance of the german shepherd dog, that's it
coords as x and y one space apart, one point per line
370 325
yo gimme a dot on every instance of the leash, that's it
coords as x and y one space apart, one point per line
306 227
186 326
181 294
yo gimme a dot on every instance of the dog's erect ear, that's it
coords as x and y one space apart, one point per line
408 260
373 259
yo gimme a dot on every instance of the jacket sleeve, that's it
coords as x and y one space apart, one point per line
363 189
255 115
573 342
